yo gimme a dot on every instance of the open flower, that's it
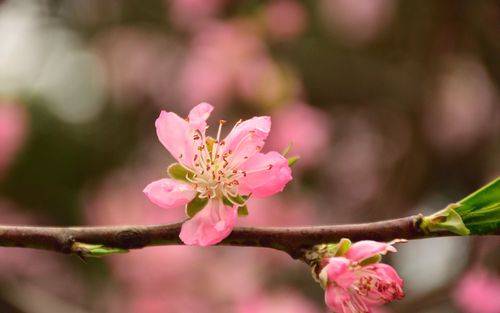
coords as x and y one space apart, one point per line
214 177
355 281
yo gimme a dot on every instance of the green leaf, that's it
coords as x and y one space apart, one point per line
243 210
293 160
95 250
179 172
484 197
478 213
485 220
195 206
480 210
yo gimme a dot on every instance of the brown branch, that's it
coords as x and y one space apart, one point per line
292 240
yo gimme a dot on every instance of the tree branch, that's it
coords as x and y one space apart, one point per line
292 240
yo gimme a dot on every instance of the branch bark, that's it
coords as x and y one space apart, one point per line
292 240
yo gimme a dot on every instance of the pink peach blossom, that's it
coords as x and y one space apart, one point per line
219 174
355 281
478 292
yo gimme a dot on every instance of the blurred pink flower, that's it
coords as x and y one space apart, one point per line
478 292
139 64
357 21
461 110
13 130
220 174
285 19
367 148
354 285
261 81
306 128
229 60
193 14
277 302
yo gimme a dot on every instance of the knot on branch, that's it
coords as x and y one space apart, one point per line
131 239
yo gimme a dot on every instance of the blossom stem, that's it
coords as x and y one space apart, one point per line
292 240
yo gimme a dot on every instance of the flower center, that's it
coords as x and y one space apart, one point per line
387 290
216 172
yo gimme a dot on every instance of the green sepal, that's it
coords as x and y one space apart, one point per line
292 160
371 260
445 220
342 247
95 250
179 172
287 149
195 206
243 210
238 200
337 249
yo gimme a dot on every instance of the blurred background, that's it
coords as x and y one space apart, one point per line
393 107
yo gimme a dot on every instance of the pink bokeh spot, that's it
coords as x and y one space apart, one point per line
287 301
285 19
193 14
229 61
478 292
358 22
218 170
13 130
306 128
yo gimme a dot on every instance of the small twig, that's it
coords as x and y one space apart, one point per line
292 240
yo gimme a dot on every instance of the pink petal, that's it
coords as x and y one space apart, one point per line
175 134
367 248
209 226
334 297
267 174
168 193
338 271
199 115
247 138
388 278
386 272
